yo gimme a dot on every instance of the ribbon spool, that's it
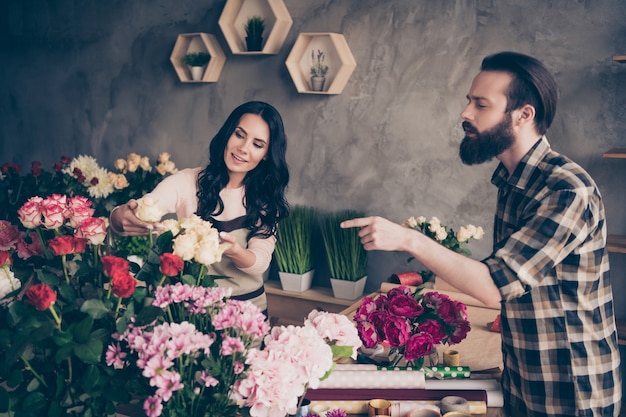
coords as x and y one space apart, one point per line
379 407
454 403
451 358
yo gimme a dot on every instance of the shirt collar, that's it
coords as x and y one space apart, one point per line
525 167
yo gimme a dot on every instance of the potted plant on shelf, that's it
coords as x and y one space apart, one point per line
318 70
254 33
347 260
294 249
196 61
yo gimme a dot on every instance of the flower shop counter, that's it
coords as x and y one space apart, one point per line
480 351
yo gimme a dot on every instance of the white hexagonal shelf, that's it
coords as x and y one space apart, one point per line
338 57
233 20
198 42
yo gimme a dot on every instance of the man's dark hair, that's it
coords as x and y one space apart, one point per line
532 84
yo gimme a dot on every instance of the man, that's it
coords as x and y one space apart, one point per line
549 267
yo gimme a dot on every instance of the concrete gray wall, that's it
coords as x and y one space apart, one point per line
94 77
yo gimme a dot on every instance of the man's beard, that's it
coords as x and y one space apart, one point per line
485 146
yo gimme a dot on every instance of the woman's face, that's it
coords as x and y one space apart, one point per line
247 146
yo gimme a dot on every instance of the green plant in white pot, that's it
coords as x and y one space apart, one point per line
294 248
196 62
347 260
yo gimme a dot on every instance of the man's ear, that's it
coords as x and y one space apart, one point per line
525 114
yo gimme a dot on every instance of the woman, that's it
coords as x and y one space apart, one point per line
241 191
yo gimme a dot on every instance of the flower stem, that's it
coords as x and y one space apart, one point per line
6 271
63 261
57 319
35 374
117 308
201 274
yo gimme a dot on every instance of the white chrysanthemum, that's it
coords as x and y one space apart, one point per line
103 188
87 165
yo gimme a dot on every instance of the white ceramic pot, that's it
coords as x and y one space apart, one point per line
296 282
348 290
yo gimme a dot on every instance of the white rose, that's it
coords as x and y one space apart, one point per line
411 222
479 233
208 252
191 222
166 167
465 233
435 225
164 156
421 220
8 282
120 164
133 162
148 210
170 225
144 164
441 234
185 246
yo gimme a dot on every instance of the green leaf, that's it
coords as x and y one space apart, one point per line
83 329
147 315
64 352
89 352
35 402
4 400
95 308
90 378
68 293
341 351
61 338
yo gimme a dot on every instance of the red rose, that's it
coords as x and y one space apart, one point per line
65 159
41 296
36 168
5 258
171 265
123 284
435 329
111 264
62 245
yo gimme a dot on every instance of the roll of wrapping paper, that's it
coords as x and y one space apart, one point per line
455 372
399 408
369 376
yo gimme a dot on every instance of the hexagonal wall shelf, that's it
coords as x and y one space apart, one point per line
233 20
198 42
338 57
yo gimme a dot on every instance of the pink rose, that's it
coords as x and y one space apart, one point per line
460 333
405 306
447 311
368 334
418 346
30 213
367 307
9 235
54 212
435 329
79 209
25 249
94 229
397 331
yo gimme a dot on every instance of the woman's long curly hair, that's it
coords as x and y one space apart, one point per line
264 186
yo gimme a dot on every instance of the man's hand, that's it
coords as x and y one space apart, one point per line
378 233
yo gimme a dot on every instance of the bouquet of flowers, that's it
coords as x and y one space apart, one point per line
203 355
59 308
444 235
411 323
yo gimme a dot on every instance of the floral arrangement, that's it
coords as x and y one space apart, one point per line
59 305
444 235
82 176
411 323
199 359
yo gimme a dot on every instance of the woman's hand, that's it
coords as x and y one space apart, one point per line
126 223
241 257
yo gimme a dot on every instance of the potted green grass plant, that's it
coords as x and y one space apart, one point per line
294 248
347 260
196 62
